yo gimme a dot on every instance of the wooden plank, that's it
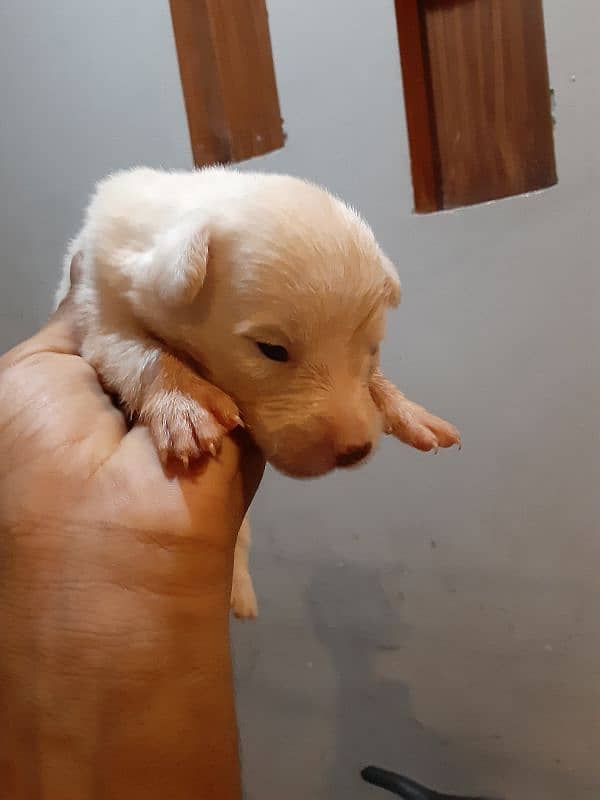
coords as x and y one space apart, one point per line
489 98
228 79
418 102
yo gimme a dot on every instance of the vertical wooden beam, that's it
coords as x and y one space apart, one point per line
228 79
418 102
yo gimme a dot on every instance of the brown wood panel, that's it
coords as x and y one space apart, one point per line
489 99
228 78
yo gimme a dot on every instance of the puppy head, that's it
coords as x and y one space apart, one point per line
289 321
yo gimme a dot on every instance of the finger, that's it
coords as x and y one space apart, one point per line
216 492
238 458
59 334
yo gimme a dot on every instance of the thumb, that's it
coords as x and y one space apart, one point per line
60 333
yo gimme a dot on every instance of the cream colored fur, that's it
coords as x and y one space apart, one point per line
186 276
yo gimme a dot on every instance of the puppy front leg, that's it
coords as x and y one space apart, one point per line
243 598
408 421
187 416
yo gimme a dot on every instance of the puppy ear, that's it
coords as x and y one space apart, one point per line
179 261
392 288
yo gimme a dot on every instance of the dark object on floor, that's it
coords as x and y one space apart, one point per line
405 787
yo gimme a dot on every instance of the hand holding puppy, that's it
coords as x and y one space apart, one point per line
115 675
215 299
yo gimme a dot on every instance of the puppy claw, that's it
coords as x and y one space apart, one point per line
414 425
182 429
223 409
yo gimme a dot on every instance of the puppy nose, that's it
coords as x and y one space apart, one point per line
352 455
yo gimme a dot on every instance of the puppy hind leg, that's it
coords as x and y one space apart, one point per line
243 598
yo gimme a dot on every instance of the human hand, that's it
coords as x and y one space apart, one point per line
115 675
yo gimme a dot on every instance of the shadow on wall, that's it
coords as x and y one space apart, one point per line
354 619
322 684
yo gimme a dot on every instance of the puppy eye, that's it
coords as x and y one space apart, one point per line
273 351
375 350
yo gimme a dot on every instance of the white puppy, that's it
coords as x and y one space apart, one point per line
217 298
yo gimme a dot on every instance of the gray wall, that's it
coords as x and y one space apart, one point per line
438 615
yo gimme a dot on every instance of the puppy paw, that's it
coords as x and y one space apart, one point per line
414 425
243 598
408 421
186 427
